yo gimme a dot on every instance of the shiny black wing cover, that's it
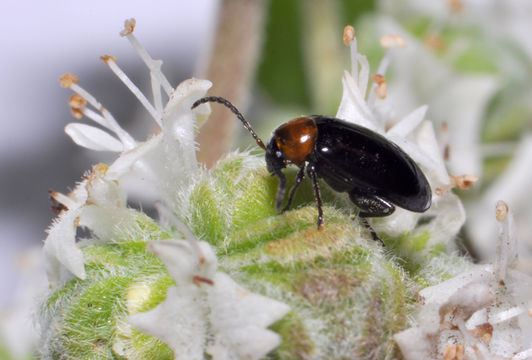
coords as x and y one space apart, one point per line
348 156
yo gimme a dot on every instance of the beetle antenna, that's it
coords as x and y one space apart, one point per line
234 110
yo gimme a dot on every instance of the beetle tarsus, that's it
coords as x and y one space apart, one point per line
374 235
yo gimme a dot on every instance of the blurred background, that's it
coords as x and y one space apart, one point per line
469 60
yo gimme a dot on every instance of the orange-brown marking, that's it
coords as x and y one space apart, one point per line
296 139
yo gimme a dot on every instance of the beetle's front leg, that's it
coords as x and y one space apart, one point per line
281 189
312 172
299 178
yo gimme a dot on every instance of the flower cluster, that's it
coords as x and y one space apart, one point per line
474 315
207 312
177 288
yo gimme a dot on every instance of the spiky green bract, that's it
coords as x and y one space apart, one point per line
348 294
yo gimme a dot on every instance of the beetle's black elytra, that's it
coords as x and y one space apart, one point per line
376 173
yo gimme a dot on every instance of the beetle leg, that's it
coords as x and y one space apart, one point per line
299 178
374 235
312 172
371 205
281 189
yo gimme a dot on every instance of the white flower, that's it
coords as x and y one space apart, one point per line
367 106
96 203
474 315
167 160
207 312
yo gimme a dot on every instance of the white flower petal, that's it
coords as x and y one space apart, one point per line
60 248
128 159
183 259
409 123
353 107
250 343
414 344
449 215
440 294
235 306
93 138
102 191
178 118
104 222
433 160
240 318
178 321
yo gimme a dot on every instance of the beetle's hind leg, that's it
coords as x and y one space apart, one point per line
374 235
371 206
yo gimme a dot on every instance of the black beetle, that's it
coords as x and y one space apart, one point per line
375 172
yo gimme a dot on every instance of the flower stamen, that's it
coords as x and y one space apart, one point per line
381 89
67 80
389 42
158 79
463 182
110 61
107 121
351 41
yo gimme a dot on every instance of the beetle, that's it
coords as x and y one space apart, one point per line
376 173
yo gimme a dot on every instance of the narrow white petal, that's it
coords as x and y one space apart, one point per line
506 314
60 248
440 294
428 145
353 107
179 128
409 122
92 138
184 96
